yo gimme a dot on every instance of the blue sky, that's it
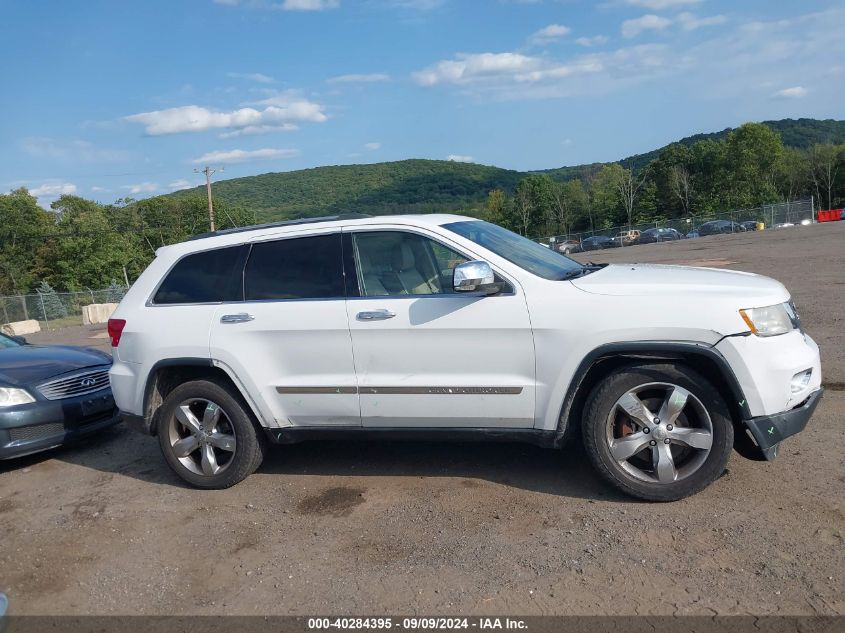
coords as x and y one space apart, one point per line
112 98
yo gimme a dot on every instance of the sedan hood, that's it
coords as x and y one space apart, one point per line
32 364
654 280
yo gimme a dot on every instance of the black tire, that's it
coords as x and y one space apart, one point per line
250 445
595 425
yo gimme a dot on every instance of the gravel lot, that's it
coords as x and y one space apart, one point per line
378 528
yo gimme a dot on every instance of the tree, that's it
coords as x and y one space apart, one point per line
680 180
24 231
793 173
496 208
825 161
523 205
568 199
50 304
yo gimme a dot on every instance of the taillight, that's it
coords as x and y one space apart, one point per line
115 329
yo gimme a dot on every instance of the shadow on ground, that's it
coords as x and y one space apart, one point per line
565 473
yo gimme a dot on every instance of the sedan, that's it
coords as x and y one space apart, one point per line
50 395
568 246
596 243
719 227
650 236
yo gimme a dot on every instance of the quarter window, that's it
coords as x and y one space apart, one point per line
297 268
207 277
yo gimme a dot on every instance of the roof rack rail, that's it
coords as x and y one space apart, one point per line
270 225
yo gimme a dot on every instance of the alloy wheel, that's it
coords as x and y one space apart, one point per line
202 437
659 433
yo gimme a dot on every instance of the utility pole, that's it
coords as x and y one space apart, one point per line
209 172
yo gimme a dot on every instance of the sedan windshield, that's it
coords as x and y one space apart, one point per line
6 341
518 250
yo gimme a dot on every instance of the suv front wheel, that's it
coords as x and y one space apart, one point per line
658 432
207 435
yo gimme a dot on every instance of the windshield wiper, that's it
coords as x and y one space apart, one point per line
586 269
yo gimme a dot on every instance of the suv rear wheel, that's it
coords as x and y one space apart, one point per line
207 435
658 432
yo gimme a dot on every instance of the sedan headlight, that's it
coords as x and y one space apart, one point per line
768 321
10 396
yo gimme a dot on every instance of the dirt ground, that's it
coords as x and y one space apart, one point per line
345 528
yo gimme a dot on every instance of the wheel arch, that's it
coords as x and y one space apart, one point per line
609 357
167 374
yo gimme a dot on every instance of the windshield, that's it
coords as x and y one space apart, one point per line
518 250
6 341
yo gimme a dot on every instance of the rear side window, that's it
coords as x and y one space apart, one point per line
206 277
297 268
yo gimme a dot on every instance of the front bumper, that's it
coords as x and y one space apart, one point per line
769 430
45 424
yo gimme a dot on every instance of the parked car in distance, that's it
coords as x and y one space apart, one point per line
651 236
51 394
568 246
719 227
784 225
692 235
596 243
749 225
626 238
443 326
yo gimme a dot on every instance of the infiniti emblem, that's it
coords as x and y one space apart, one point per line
87 382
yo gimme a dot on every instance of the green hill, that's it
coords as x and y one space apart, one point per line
427 186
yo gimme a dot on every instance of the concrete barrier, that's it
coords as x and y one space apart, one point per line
20 328
97 313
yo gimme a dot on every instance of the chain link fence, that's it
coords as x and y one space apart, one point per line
55 309
769 215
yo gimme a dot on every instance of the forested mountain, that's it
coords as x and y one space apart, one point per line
80 243
426 186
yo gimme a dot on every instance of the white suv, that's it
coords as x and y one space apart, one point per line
443 326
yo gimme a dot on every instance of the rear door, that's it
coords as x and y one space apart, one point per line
426 356
289 340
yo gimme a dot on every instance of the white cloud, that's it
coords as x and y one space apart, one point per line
53 190
180 184
97 189
76 150
372 146
648 22
255 130
466 68
310 5
597 40
659 5
257 77
240 155
359 78
141 187
795 92
280 110
286 5
690 22
417 5
459 158
550 33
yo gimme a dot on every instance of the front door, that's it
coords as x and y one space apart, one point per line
426 356
289 339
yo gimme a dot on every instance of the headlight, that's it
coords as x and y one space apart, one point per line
9 396
768 321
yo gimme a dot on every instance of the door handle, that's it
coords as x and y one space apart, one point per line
240 317
375 315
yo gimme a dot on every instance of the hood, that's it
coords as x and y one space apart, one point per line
32 364
645 280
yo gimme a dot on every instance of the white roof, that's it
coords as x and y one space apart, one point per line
248 234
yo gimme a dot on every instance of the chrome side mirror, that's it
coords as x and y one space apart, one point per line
475 276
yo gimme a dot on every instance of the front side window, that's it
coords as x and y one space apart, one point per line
295 268
207 277
400 263
528 255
